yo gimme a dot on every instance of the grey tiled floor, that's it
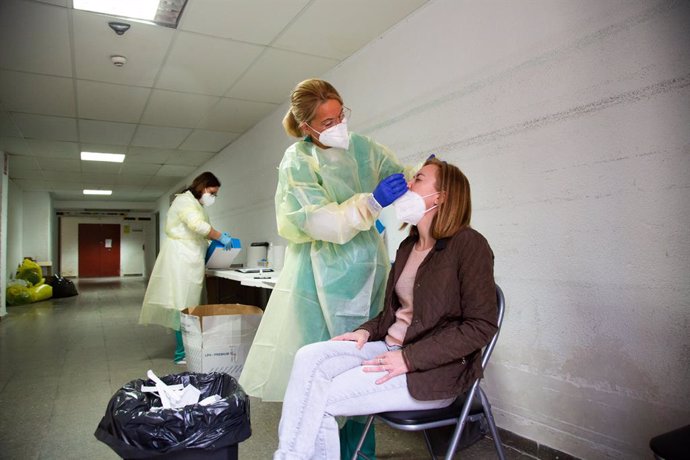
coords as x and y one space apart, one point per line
62 359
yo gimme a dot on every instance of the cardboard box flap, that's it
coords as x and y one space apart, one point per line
223 309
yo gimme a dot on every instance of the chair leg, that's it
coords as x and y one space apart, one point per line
357 453
455 440
429 447
492 424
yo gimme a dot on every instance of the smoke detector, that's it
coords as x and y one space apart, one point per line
118 61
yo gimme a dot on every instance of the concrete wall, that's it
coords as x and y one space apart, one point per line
4 191
15 218
37 225
571 121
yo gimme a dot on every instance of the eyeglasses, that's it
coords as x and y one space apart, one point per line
330 122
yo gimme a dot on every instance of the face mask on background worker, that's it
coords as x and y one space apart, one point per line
207 199
335 136
410 208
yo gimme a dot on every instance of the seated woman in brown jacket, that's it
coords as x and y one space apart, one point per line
423 349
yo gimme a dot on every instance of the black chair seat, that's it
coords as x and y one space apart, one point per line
419 417
674 445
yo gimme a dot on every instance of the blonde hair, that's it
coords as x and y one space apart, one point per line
455 210
304 100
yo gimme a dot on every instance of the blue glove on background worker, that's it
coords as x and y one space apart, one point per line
226 240
390 189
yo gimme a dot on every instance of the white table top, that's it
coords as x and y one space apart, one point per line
263 280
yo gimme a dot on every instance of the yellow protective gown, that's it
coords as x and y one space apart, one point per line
336 264
178 276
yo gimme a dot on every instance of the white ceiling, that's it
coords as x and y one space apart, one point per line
183 96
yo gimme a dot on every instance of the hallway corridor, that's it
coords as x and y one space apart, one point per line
62 359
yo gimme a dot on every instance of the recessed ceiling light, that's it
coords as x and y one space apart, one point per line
111 157
162 12
97 192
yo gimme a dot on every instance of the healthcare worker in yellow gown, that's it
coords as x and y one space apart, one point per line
177 280
336 264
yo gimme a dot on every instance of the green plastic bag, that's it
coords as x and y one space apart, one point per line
41 292
18 292
30 271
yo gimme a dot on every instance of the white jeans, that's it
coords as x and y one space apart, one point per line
327 380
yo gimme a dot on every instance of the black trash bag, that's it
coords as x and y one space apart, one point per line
62 287
135 426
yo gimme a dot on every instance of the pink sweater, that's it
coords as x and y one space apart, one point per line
404 290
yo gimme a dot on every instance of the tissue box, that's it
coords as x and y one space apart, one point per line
217 337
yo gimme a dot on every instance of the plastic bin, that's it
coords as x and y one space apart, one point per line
135 425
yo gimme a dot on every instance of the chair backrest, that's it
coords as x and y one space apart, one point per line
501 307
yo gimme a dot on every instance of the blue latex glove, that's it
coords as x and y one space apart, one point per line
225 240
390 189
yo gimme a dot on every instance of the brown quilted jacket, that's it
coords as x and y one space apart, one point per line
454 314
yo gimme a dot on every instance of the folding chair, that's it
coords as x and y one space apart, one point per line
473 403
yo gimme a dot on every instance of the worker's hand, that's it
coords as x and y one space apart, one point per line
225 240
391 362
390 189
360 336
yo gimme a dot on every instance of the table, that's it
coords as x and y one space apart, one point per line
231 286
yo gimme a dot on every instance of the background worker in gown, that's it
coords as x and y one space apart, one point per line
336 264
177 280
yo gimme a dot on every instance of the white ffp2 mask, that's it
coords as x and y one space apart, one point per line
207 199
410 208
335 136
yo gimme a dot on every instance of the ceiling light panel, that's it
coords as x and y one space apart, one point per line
163 13
96 156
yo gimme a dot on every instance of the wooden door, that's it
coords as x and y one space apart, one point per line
99 250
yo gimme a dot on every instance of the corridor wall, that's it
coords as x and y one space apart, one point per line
570 120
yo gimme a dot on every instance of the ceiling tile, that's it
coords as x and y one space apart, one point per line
98 179
106 132
275 74
33 184
7 126
182 110
144 46
67 186
136 168
136 179
339 38
235 116
14 145
25 92
175 171
22 162
59 164
65 3
54 149
212 71
190 158
90 168
63 176
35 38
163 181
104 101
208 141
46 127
147 155
228 18
159 137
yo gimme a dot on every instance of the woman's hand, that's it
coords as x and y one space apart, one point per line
391 362
360 336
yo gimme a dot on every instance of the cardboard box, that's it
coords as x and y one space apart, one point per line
217 337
